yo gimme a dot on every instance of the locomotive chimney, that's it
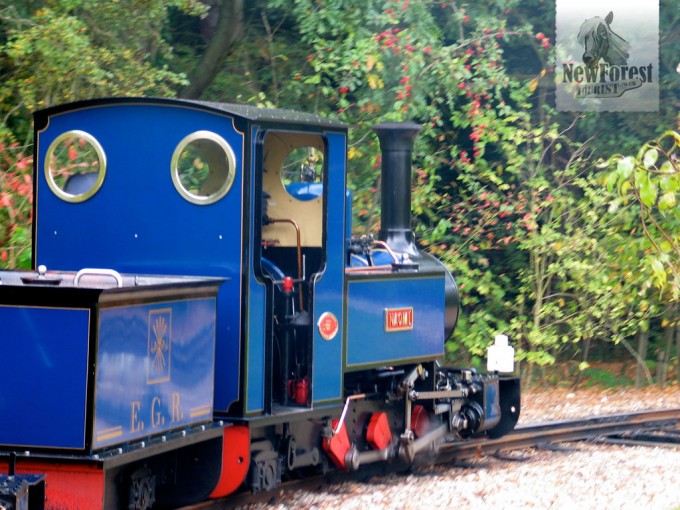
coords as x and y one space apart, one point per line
396 144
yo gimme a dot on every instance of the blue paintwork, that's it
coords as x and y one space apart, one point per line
255 370
368 344
152 364
305 190
255 298
328 290
138 223
380 258
138 393
492 409
327 355
43 399
348 217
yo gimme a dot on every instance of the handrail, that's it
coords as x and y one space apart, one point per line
91 271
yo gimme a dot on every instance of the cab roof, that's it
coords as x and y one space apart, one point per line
246 112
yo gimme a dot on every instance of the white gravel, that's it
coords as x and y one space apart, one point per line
588 477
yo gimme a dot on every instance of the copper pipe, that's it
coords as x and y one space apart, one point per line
299 253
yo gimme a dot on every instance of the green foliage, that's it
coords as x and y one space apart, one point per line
651 181
504 191
485 159
66 50
604 378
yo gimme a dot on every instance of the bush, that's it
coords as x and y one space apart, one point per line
16 199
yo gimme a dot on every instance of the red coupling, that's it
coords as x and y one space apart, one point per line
420 421
287 284
337 446
379 434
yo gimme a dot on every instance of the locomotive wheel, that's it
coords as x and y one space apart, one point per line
289 451
269 476
142 493
265 470
407 451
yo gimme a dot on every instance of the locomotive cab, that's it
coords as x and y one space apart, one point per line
289 253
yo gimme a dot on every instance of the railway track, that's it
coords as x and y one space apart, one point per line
653 428
594 428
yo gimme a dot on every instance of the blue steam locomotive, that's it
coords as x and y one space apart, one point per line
200 319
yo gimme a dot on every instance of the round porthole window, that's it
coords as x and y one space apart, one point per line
203 167
75 166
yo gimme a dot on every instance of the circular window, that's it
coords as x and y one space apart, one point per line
203 167
302 173
75 166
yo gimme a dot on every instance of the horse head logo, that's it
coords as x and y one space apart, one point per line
600 42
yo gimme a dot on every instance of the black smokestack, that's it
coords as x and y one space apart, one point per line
396 144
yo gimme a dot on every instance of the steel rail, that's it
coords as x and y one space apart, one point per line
594 427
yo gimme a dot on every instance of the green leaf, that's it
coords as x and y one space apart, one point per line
665 246
650 158
667 201
313 80
658 273
648 190
625 167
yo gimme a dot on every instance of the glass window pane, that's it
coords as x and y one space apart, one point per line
75 166
203 167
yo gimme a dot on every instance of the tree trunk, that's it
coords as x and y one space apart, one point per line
228 29
677 352
661 367
643 344
666 353
586 359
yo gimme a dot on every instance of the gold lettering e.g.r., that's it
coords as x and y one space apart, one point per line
157 418
175 412
136 425
158 412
